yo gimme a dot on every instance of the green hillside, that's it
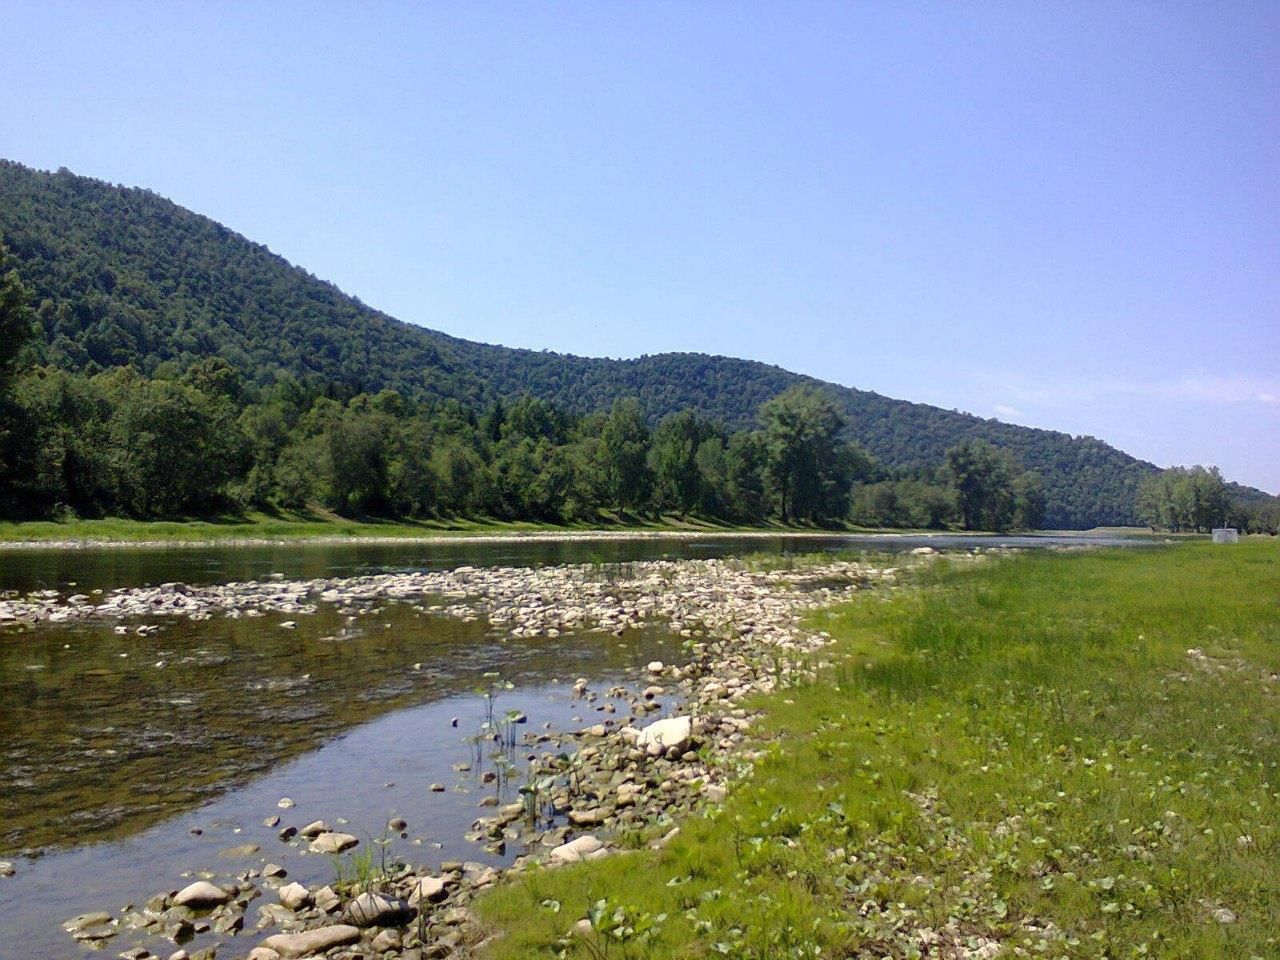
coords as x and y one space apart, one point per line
122 276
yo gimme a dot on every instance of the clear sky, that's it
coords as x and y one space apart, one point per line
1058 214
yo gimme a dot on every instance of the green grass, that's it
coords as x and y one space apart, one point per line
260 526
1022 753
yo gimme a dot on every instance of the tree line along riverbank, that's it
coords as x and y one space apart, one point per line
204 438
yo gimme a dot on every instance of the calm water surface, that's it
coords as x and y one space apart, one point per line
127 761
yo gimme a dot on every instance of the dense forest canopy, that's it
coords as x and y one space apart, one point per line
122 278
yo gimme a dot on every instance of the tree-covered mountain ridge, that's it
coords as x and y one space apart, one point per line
122 276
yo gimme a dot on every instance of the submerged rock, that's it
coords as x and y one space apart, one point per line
87 920
240 852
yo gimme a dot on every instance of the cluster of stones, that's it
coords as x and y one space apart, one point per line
743 635
523 601
179 915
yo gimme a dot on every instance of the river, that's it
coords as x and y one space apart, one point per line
133 758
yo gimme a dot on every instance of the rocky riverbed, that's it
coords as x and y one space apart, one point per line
612 784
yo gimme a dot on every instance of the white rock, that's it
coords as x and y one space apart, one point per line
201 894
671 732
375 910
291 945
575 850
333 842
430 889
294 895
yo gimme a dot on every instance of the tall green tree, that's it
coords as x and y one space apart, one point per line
174 448
745 463
801 429
356 448
66 459
1184 498
624 453
15 320
982 477
15 332
1028 501
673 458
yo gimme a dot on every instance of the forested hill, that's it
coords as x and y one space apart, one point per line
122 276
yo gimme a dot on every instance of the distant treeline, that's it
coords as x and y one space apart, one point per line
121 444
1198 499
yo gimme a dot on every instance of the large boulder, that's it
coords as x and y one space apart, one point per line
307 942
575 850
375 910
201 894
673 732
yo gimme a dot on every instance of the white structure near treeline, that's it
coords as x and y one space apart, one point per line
1226 535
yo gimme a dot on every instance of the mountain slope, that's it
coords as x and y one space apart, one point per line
124 276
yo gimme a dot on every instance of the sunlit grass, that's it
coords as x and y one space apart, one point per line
1017 760
318 522
262 526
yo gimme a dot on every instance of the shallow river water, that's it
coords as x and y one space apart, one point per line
130 761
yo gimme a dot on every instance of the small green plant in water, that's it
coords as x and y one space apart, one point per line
369 870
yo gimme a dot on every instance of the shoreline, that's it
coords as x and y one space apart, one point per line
550 535
744 635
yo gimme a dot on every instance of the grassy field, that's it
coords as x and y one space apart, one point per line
1017 760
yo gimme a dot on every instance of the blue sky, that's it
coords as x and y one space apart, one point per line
1063 215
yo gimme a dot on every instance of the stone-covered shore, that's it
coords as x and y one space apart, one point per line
595 792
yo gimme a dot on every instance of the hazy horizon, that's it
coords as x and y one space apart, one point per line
1064 221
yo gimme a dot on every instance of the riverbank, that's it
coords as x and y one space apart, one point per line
261 530
1066 755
